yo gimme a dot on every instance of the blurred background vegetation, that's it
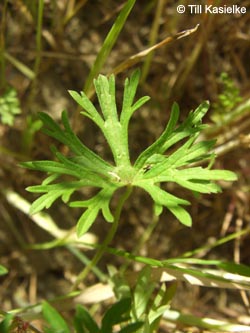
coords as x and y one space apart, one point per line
48 47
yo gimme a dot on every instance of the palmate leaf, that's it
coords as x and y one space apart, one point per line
173 157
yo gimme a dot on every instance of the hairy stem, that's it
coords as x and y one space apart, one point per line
100 252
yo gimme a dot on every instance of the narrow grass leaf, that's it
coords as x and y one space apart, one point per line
235 268
109 43
143 290
182 319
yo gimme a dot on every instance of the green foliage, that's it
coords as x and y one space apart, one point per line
145 307
32 126
83 322
116 314
138 310
227 100
3 270
9 106
6 323
162 162
108 43
147 304
56 322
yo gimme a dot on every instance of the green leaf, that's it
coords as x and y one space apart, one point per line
105 90
191 126
182 215
207 174
130 87
88 106
128 97
3 270
99 202
46 200
171 202
197 178
156 314
6 323
234 268
206 277
109 43
193 153
160 196
9 106
143 291
195 275
68 138
156 165
55 167
200 187
132 328
83 319
56 322
199 112
118 313
156 147
52 193
139 103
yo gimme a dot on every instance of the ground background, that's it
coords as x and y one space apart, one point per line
187 71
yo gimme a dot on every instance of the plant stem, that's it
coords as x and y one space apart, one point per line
143 239
2 45
33 89
107 240
39 36
153 38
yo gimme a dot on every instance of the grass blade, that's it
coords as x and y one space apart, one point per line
109 43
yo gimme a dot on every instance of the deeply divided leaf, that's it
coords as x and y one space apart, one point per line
173 157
